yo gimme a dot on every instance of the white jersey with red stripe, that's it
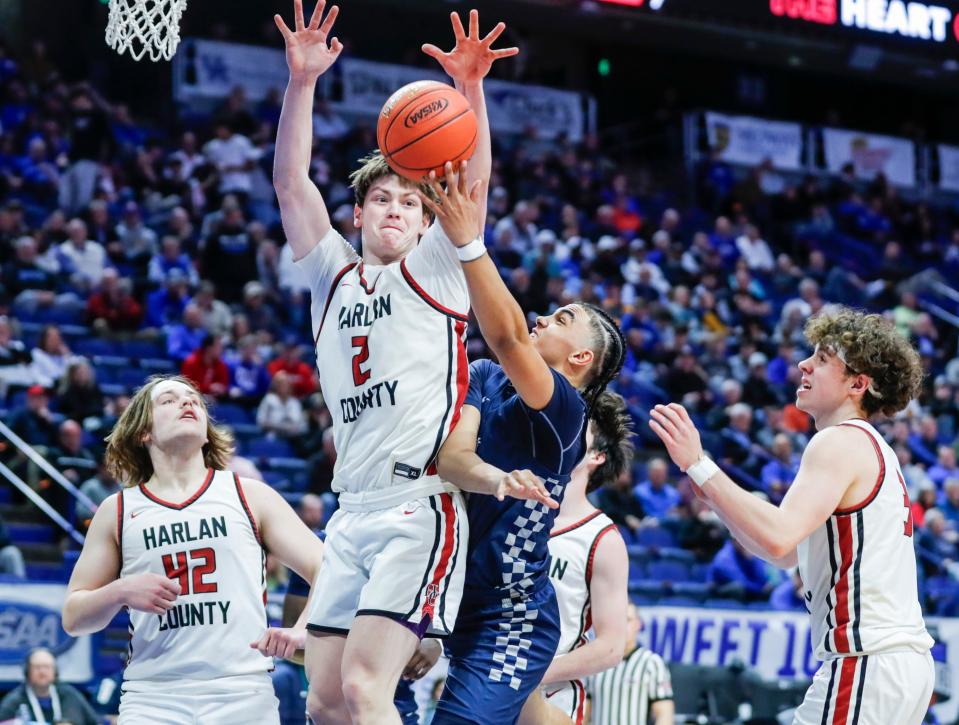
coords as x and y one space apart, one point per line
572 550
211 545
859 570
390 350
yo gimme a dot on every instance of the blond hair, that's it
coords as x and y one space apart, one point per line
373 167
127 457
869 344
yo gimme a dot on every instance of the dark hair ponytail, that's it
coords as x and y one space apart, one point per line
610 347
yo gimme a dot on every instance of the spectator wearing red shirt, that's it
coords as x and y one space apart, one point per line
112 308
205 367
304 382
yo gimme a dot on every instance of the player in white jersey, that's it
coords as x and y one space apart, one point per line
183 547
389 330
846 521
589 569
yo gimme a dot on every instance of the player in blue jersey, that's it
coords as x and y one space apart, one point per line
525 415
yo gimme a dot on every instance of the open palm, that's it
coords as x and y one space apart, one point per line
472 56
307 52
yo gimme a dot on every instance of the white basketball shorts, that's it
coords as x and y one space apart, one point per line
880 689
406 563
570 697
242 700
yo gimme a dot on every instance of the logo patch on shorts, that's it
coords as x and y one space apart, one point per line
410 472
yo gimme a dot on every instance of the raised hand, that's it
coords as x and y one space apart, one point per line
457 206
151 593
471 57
526 486
678 432
307 53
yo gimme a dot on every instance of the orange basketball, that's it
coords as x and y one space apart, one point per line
422 126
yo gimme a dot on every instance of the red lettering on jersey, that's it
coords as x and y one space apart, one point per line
907 524
208 567
360 376
181 572
177 571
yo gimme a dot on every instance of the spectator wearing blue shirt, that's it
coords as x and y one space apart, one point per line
736 572
185 337
656 494
249 378
945 467
949 501
171 257
777 372
165 306
935 544
924 442
778 474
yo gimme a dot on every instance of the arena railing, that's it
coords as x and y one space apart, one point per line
44 465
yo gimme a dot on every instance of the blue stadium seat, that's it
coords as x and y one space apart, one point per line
675 600
697 590
285 463
277 479
131 377
720 603
93 346
143 348
30 533
639 552
268 448
676 554
158 365
655 536
649 588
230 414
670 571
330 505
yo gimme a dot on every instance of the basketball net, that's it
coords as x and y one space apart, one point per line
145 27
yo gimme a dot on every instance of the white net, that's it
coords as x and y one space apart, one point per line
145 27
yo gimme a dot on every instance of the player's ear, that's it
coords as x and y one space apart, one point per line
357 216
581 359
597 458
860 384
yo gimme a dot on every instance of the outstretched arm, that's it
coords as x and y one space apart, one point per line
500 317
829 467
467 64
304 214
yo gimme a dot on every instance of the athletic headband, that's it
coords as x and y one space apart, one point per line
840 352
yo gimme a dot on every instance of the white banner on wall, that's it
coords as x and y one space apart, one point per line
776 645
948 167
750 141
870 154
208 70
30 617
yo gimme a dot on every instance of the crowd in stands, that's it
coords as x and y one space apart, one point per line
129 249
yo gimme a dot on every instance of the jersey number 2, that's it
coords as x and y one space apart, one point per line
180 571
360 376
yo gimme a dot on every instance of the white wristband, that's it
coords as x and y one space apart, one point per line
702 470
471 251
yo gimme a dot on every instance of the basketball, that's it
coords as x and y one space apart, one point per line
422 126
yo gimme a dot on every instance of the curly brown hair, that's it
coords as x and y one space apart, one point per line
612 436
869 344
127 457
373 167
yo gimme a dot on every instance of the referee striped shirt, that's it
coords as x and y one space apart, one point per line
624 693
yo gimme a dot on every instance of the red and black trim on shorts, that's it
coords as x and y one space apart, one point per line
844 695
430 599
